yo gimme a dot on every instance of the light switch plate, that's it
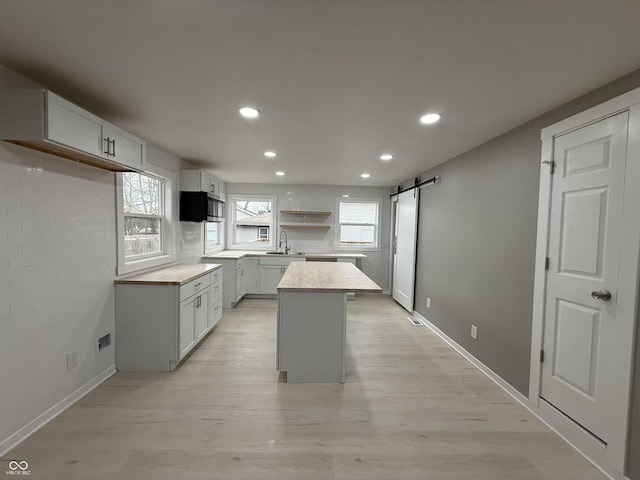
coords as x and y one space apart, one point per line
428 302
474 332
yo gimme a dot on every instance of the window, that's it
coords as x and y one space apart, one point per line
213 236
252 221
357 224
144 229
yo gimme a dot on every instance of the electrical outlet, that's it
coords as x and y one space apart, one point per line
72 360
104 341
428 302
474 332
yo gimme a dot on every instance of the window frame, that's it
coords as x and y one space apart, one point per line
167 253
232 198
221 237
377 247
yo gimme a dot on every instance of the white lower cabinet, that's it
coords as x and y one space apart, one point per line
215 300
158 325
241 280
251 275
270 276
270 272
187 334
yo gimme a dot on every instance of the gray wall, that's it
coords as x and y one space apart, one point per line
476 247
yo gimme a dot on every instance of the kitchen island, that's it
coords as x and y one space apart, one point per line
312 319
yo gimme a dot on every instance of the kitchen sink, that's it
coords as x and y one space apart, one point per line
275 253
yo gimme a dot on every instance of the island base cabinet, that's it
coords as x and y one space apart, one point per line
311 336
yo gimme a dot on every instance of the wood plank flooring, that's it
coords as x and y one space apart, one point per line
411 408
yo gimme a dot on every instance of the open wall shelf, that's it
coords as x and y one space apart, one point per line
307 226
304 212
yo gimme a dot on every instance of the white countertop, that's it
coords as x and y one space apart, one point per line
326 277
238 254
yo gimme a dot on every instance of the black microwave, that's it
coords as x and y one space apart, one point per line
200 207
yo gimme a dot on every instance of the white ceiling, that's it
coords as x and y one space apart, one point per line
338 82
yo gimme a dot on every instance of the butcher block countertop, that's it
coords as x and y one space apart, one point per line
238 254
173 275
326 277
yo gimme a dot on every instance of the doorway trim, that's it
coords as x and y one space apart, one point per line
613 456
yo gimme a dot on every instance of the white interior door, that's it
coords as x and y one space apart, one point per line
404 254
587 190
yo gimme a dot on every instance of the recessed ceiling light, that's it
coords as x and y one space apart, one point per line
365 175
346 195
280 174
249 112
429 118
270 154
386 157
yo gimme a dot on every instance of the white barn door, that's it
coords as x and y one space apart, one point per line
404 253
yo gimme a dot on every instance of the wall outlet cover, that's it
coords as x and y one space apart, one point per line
72 360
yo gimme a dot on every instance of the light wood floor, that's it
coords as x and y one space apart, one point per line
411 408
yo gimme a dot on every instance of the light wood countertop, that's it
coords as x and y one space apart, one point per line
238 254
326 277
173 275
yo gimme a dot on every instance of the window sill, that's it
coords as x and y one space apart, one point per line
357 248
214 250
138 265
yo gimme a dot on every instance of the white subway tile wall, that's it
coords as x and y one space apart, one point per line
57 265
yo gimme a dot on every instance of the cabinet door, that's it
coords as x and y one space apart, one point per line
251 275
201 313
124 148
241 283
187 329
205 182
215 314
270 276
72 126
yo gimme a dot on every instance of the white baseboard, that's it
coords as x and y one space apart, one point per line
39 422
557 425
520 398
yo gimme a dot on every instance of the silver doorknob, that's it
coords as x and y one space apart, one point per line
601 295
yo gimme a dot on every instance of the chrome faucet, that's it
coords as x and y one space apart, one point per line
286 243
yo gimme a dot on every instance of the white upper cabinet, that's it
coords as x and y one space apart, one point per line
126 149
44 121
201 181
69 125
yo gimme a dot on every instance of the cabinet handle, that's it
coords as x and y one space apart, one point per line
108 141
197 284
113 150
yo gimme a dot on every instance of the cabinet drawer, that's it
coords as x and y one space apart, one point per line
215 314
194 286
216 292
215 276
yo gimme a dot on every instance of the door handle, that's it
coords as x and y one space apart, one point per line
604 295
